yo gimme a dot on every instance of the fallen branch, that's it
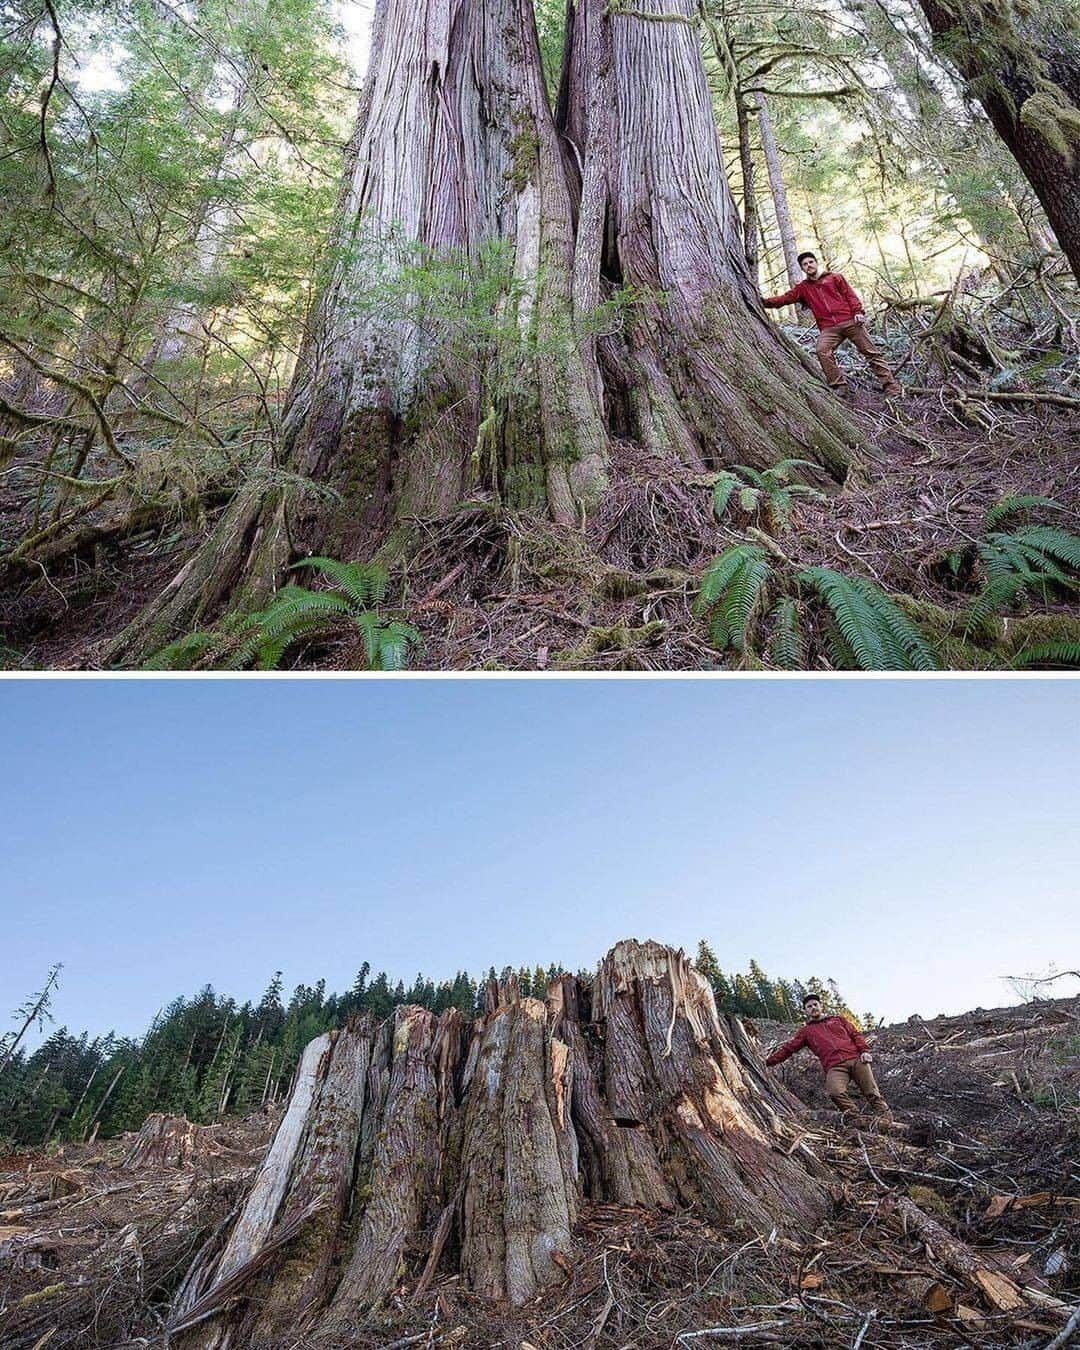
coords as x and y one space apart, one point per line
1004 396
996 1287
729 1333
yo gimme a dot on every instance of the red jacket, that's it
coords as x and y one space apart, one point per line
833 1039
829 296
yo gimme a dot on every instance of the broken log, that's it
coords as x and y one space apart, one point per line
977 1269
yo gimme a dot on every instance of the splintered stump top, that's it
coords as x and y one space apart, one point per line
431 1142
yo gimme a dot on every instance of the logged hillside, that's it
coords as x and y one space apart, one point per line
959 1227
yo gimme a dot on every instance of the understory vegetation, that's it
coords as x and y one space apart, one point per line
170 189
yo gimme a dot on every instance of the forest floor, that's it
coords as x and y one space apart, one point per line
986 1143
489 589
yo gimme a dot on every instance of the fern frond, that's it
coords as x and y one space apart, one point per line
183 653
787 649
997 596
295 608
744 593
1049 542
878 633
371 627
725 485
1016 502
750 475
717 576
363 583
731 587
781 471
1055 655
394 643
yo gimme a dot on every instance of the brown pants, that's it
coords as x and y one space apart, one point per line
828 341
839 1079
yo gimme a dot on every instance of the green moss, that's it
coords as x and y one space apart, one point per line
524 147
1001 641
617 637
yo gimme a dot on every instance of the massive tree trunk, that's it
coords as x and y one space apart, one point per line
431 1143
1023 65
703 370
455 151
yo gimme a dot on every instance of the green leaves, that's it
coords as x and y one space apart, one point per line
1032 561
731 589
787 645
363 583
725 485
871 631
297 615
1049 656
770 491
1015 503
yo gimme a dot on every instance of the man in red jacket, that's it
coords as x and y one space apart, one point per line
843 1053
840 318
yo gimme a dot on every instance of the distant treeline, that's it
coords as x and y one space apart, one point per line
208 1056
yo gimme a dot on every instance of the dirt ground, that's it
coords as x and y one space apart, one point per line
986 1146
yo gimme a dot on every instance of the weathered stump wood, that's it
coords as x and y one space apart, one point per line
429 1142
163 1141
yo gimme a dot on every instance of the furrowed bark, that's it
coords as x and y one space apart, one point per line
405 1189
324 1177
703 372
391 409
519 1161
672 1071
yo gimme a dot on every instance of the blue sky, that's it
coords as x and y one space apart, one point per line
916 840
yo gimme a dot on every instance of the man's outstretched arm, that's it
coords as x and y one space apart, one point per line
786 1050
778 301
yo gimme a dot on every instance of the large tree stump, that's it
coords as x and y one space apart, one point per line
434 1142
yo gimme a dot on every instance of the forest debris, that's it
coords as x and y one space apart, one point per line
1001 1204
999 1290
929 1293
666 1274
762 1331
620 639
62 1184
164 1141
